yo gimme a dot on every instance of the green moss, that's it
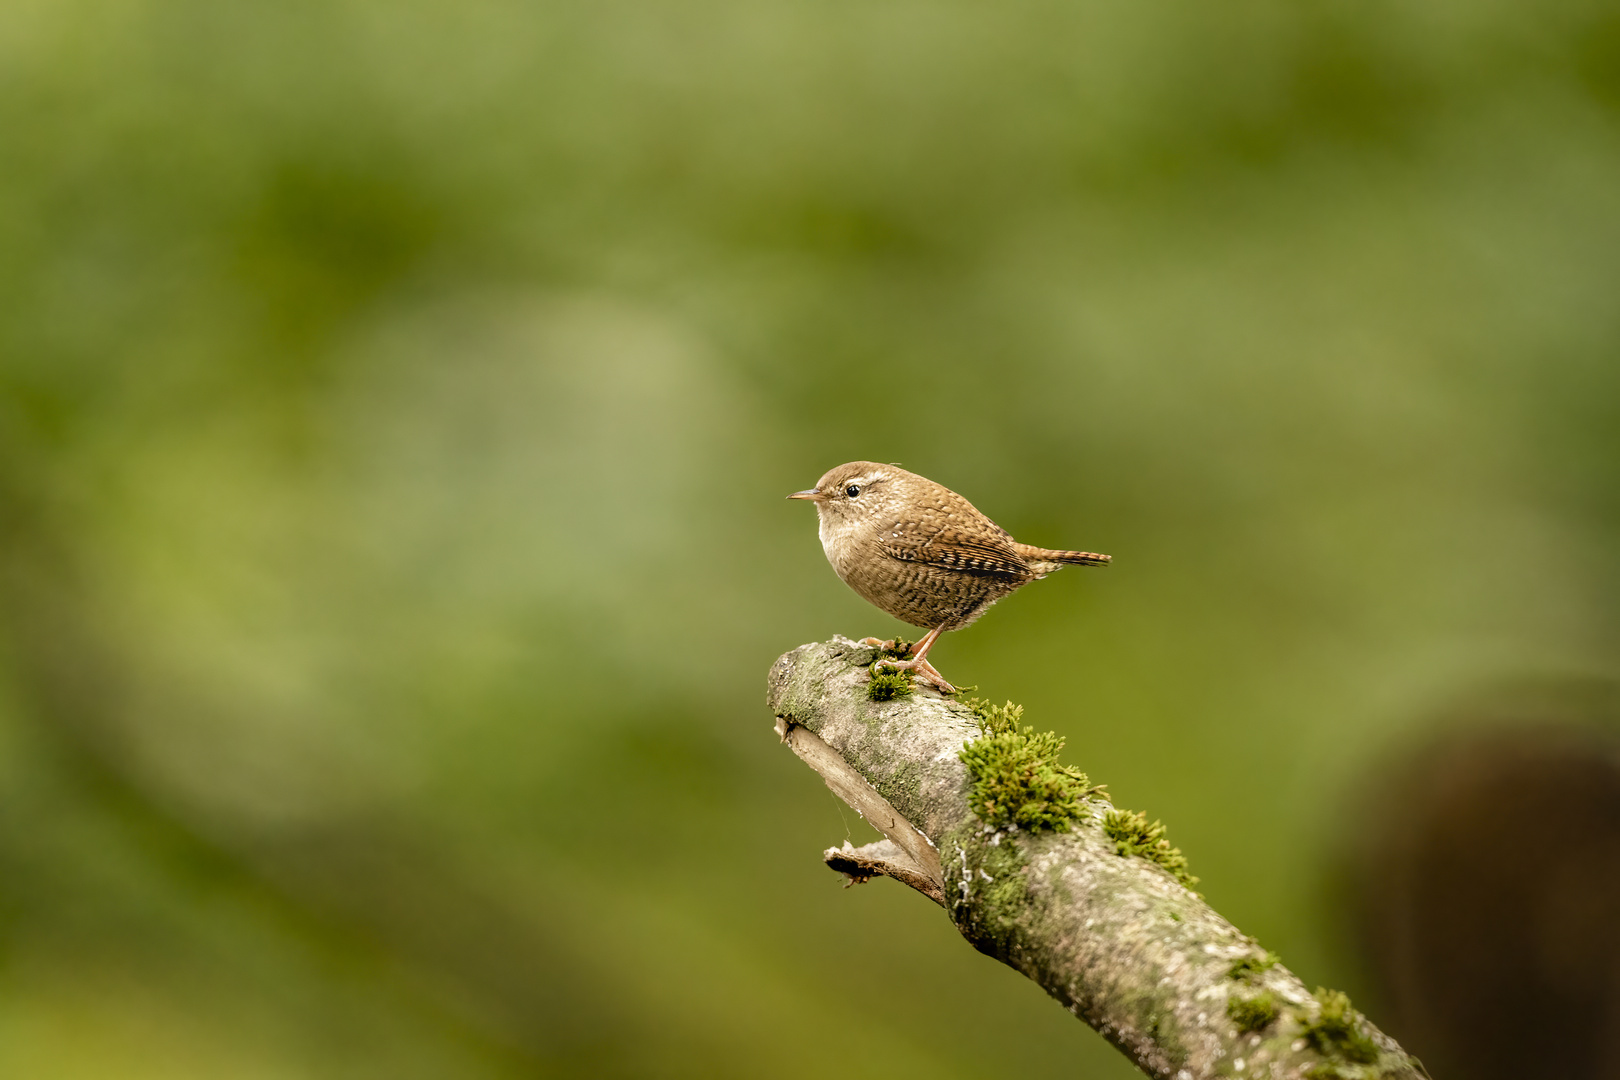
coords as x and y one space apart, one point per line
995 719
1016 777
1133 835
889 685
1247 967
1017 781
899 649
1253 1013
1336 1033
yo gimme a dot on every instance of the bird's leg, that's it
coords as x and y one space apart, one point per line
918 663
920 649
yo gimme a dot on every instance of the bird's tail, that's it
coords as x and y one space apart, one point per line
1055 559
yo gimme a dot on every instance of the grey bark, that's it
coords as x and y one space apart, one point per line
1115 939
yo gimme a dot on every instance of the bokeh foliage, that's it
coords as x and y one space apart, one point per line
397 401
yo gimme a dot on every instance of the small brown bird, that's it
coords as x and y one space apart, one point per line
922 553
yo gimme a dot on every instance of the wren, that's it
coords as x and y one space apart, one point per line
922 553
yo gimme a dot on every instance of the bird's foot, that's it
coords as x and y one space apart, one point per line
894 647
922 669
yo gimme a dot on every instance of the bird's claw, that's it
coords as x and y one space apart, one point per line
893 648
921 669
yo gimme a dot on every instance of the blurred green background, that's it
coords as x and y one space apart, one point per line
398 403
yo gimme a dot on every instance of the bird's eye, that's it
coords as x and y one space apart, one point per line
853 490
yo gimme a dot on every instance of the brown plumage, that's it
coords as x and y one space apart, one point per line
921 552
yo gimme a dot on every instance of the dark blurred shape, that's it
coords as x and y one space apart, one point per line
1488 895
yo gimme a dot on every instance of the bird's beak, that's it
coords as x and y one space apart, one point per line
812 494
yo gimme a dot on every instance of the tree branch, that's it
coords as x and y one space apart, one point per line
1115 939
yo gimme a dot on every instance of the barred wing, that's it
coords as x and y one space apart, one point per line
991 554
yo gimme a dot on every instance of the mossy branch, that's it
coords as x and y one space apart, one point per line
1038 870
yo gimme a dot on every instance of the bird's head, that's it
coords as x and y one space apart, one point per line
856 492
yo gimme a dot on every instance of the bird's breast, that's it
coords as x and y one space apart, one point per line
841 544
